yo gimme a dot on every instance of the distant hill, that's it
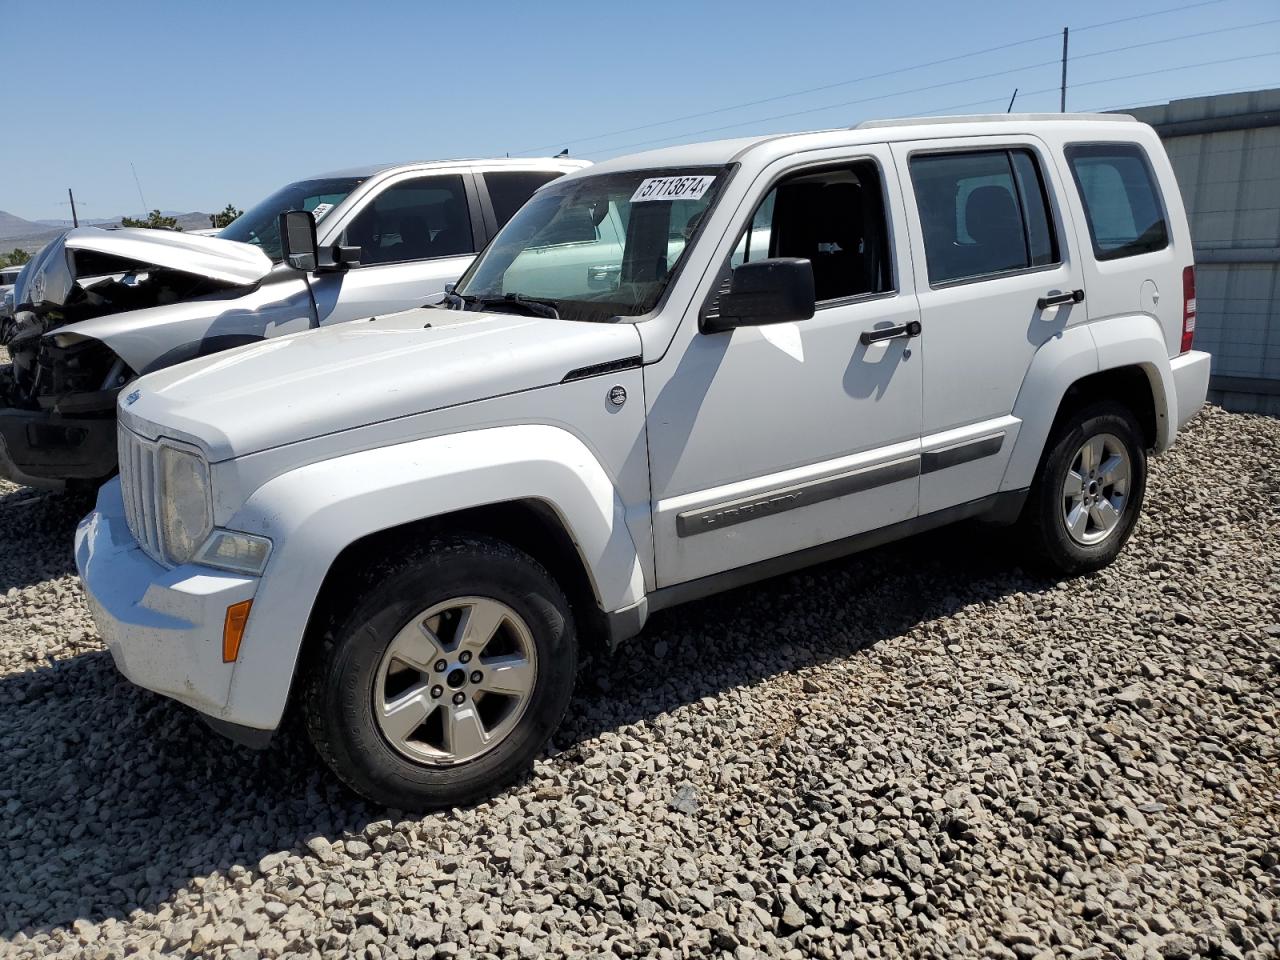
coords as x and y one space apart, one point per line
31 235
11 226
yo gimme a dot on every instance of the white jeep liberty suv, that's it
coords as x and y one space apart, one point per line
668 375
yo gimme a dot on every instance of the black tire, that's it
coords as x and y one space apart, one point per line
1051 546
339 686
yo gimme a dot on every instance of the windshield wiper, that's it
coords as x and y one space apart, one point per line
531 305
458 301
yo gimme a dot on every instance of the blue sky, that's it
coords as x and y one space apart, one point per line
224 102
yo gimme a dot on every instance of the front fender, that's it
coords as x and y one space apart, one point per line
311 514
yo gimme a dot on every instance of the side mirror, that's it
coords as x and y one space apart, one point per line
298 239
337 257
778 290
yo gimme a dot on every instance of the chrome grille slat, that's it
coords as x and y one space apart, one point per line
138 488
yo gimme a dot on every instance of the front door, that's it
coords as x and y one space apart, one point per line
991 243
765 441
415 236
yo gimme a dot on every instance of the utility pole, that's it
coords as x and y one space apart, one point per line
75 221
1062 105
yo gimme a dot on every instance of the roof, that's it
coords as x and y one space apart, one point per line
992 118
716 153
369 170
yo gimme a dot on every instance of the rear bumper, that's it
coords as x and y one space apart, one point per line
163 627
44 449
1190 383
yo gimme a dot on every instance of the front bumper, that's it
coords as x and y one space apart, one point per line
43 449
163 627
1190 383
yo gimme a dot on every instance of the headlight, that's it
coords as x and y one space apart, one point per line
186 511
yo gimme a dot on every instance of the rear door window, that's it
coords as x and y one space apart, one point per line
982 214
1121 201
509 189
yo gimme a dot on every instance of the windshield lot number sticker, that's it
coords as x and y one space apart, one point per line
672 188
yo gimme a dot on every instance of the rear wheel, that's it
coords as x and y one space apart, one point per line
1087 496
448 677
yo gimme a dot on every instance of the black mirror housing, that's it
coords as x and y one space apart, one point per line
337 257
298 239
777 290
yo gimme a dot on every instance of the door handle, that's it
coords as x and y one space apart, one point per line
906 331
1057 299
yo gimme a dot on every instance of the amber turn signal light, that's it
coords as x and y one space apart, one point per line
233 629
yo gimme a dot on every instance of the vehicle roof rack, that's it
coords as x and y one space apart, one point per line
991 118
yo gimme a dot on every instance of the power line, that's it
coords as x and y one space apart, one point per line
946 83
1182 96
864 79
1090 83
833 106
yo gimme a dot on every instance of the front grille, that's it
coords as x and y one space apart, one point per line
138 466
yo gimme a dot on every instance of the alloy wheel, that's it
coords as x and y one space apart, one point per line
1095 490
455 681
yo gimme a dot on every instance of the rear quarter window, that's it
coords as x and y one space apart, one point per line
1121 201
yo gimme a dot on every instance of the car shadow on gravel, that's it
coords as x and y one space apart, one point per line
83 838
44 525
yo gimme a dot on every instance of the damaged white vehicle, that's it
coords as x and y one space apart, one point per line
97 308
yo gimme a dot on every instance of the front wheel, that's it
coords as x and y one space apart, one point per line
1086 498
448 677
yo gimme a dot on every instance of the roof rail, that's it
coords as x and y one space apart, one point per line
992 118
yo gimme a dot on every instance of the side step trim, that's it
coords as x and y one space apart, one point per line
1004 505
729 512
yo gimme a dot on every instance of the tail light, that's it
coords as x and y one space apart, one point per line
1188 307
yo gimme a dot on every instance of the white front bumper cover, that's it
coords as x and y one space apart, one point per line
163 627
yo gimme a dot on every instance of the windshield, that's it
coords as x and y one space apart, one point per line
261 225
595 247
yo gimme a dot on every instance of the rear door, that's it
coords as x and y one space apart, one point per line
1125 220
416 234
990 240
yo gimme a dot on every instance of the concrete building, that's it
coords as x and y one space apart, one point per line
1226 153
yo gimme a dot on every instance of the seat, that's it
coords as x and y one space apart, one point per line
452 238
991 217
843 267
415 238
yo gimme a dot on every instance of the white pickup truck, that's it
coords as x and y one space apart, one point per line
670 374
96 308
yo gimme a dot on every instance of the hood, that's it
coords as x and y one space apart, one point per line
93 252
351 374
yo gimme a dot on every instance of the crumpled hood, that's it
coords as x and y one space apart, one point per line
91 251
348 375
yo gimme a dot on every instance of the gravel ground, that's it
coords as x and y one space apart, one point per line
923 751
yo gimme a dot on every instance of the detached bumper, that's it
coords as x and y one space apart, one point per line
1190 383
44 449
163 627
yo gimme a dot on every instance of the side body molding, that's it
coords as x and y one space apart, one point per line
311 514
1078 352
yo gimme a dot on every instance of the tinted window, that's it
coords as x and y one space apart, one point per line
414 220
982 213
835 220
1121 202
260 225
508 190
